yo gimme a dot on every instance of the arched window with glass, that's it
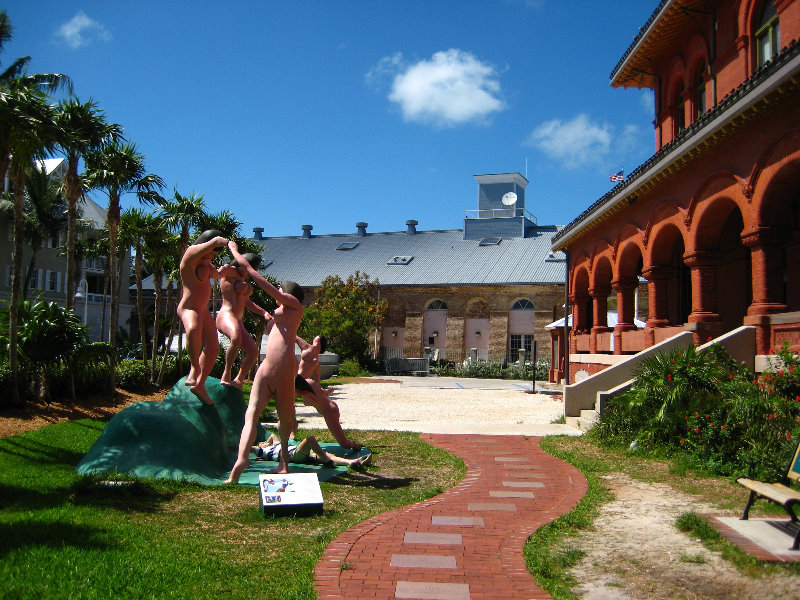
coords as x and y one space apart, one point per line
767 33
700 92
680 112
521 326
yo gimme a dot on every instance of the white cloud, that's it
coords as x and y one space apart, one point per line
81 31
647 98
450 89
574 143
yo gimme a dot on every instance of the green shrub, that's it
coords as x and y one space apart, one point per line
351 368
132 374
481 369
710 411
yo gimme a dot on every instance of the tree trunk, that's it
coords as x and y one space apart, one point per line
172 327
29 273
113 219
157 279
140 301
18 178
72 190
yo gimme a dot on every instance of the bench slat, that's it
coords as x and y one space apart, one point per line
774 491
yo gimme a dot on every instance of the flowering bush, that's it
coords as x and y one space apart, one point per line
711 410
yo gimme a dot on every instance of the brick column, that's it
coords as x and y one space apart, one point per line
766 259
625 288
704 320
412 346
454 338
600 306
657 306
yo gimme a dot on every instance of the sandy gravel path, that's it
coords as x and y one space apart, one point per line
445 405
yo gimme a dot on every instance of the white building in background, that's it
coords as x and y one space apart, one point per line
49 276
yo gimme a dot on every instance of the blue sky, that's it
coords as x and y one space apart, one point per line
332 112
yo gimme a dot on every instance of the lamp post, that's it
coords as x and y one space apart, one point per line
83 292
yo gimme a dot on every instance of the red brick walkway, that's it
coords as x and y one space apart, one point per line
465 544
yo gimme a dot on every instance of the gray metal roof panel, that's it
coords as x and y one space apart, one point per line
441 257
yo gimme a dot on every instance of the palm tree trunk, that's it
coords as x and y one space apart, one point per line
157 278
139 266
28 274
172 328
72 192
113 233
106 283
18 178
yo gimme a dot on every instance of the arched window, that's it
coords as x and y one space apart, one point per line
680 112
700 92
436 305
767 33
523 304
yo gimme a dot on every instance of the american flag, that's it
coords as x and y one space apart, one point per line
618 176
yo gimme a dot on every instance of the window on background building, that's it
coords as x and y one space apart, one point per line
437 305
520 342
767 34
700 92
33 282
53 281
523 304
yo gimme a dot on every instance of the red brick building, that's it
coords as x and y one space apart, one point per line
710 224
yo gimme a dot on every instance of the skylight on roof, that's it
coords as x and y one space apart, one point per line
347 246
490 241
400 260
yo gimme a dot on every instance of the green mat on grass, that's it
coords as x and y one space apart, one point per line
180 438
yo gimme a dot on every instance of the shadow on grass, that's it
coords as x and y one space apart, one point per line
365 479
129 496
54 534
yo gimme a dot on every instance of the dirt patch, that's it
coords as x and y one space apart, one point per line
635 552
35 415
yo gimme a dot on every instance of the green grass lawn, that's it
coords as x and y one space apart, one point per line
67 536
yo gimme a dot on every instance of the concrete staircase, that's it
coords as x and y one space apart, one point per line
583 401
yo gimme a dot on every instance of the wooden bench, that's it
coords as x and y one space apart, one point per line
777 493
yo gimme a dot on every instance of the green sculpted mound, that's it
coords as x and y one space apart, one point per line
177 438
181 438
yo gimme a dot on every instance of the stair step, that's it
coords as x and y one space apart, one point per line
581 422
590 415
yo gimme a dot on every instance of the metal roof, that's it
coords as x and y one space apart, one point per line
437 257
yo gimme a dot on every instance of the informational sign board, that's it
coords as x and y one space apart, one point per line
290 493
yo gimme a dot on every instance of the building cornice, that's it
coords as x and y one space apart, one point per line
767 86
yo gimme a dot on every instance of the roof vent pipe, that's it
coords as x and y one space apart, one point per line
412 226
361 228
307 230
257 231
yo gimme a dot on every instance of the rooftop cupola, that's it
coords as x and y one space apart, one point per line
361 228
307 230
258 233
412 226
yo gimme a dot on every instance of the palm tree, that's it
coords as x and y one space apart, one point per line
27 130
160 251
181 214
83 128
15 80
118 168
28 120
45 214
134 225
